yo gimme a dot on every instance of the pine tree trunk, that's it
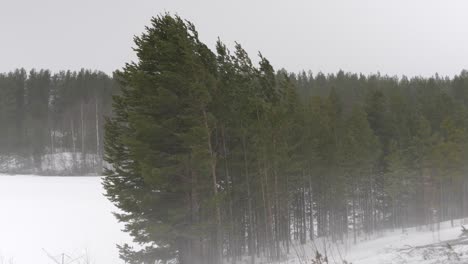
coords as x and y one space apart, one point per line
218 243
252 246
194 254
288 220
354 220
73 136
98 143
311 212
231 239
276 216
83 157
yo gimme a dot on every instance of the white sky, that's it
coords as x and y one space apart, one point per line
411 37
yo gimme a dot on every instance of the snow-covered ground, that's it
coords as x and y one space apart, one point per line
60 163
59 214
70 215
412 246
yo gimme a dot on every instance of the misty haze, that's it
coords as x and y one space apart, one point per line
246 132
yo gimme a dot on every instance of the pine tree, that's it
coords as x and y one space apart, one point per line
163 127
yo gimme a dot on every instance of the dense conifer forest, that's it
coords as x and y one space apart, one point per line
215 158
210 156
44 115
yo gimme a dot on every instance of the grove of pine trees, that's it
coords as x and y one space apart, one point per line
213 157
45 114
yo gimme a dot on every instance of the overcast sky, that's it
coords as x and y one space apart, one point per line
411 37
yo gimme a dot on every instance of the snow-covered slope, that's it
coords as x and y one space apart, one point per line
59 214
417 245
414 246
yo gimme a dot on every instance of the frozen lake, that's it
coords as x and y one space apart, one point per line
59 214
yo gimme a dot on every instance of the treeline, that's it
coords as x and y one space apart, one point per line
213 157
42 114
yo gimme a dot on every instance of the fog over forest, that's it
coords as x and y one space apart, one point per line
202 153
295 156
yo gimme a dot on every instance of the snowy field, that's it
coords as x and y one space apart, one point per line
70 215
59 214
